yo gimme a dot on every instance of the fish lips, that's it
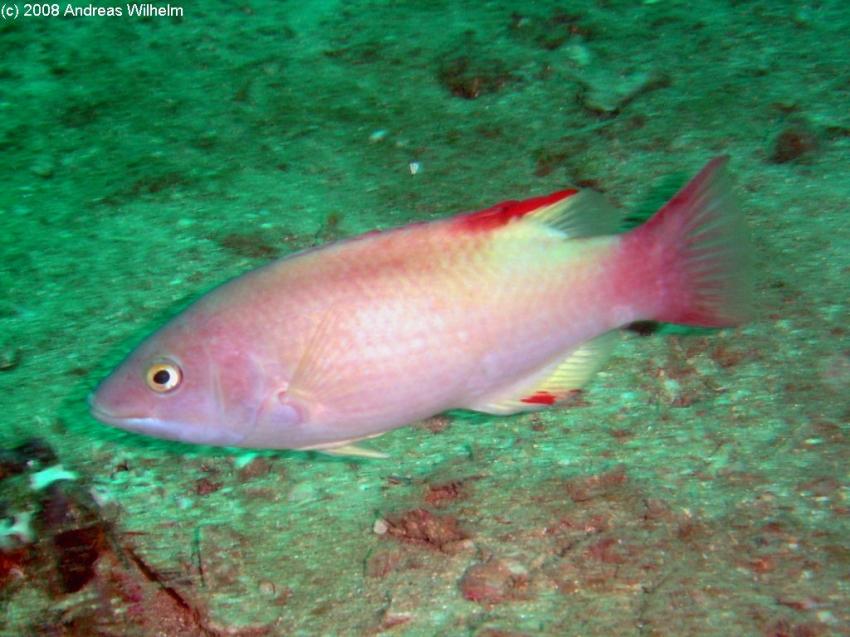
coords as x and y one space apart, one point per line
167 429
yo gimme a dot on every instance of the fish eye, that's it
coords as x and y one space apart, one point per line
163 377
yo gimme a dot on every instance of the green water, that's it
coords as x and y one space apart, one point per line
699 488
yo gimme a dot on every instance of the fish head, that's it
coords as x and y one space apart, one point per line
195 381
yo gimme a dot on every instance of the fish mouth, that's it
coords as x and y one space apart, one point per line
138 424
166 429
106 416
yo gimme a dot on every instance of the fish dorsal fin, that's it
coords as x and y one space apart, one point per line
572 214
554 383
584 214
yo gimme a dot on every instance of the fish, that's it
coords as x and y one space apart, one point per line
505 310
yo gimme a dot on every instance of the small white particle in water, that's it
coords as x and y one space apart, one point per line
303 492
380 527
415 167
378 135
672 385
579 54
826 617
184 503
46 477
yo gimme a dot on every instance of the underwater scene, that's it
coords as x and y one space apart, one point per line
447 318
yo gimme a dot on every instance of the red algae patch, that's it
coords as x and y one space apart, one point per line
421 527
383 562
494 581
587 488
445 493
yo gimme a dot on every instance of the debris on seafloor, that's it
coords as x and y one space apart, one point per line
792 143
92 577
605 93
469 70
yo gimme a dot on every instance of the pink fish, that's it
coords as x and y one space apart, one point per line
501 311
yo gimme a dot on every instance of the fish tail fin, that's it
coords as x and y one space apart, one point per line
700 252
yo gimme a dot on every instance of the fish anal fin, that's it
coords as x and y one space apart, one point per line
553 384
346 448
353 451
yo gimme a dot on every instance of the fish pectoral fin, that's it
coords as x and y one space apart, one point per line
552 384
346 448
317 372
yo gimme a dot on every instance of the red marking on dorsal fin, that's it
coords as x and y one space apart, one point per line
505 212
540 398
